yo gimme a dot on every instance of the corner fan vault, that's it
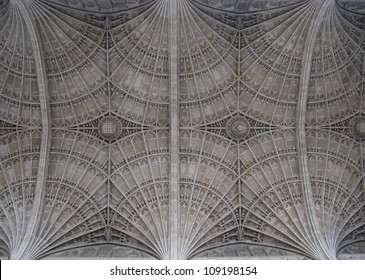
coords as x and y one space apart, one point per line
181 129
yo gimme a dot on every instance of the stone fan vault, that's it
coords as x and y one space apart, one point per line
182 129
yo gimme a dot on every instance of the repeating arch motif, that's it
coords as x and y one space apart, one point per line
277 70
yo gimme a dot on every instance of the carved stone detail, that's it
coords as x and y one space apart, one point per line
357 127
110 128
238 128
179 129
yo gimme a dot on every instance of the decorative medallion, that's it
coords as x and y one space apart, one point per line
238 128
110 128
357 127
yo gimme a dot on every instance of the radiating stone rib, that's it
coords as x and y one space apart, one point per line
191 235
44 149
140 66
241 6
282 91
174 193
332 63
298 30
55 36
298 232
18 104
204 75
314 235
51 229
157 232
18 189
228 191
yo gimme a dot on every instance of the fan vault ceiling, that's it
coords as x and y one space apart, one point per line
182 129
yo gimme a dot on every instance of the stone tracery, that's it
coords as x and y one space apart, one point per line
241 192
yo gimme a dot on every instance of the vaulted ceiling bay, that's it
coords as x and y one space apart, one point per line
182 129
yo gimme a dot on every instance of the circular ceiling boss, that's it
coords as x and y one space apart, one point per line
357 127
238 128
110 128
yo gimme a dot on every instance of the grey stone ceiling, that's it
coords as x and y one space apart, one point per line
247 5
182 129
99 6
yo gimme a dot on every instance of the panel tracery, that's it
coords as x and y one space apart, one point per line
241 191
337 70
